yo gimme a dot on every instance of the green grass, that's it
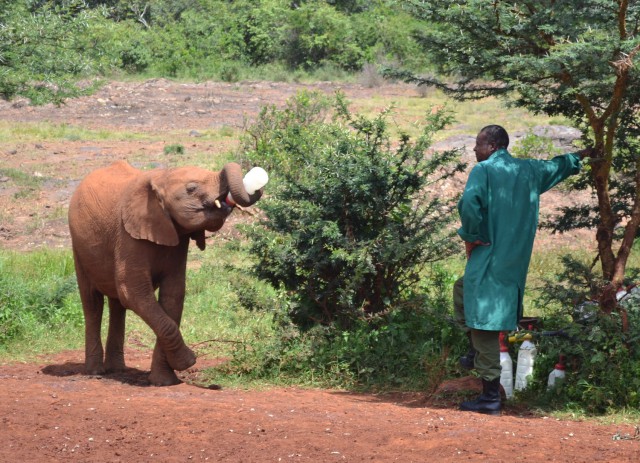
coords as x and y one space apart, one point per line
23 179
38 299
22 132
470 116
29 184
42 131
41 313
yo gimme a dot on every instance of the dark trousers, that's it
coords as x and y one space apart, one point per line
486 343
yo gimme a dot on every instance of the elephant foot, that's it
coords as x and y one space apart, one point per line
114 366
94 370
182 359
163 378
114 360
94 366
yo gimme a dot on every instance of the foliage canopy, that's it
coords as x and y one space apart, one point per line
47 46
570 58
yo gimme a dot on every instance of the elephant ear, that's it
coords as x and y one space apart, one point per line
144 215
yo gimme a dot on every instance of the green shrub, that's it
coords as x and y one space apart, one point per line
352 222
174 149
135 57
412 346
261 24
43 53
318 34
535 147
47 48
602 351
281 139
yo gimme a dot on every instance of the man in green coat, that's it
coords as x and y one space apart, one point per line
499 215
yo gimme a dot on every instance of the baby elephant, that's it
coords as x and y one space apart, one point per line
130 232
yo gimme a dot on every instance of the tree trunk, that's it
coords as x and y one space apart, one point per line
613 265
630 232
604 234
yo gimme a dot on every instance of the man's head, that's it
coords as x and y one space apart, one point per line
489 140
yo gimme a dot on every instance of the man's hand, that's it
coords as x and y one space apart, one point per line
471 246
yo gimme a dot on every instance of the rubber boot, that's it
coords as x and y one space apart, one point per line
467 360
488 402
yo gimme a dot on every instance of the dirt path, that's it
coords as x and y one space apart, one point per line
51 412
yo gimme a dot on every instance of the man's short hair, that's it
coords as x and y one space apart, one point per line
496 135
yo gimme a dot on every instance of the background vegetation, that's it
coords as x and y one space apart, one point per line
53 49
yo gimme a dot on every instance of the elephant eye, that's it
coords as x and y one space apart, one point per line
191 187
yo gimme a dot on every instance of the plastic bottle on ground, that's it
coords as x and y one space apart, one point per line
506 364
557 374
524 368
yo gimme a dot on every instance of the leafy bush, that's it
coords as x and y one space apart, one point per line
412 346
48 47
261 25
43 53
602 351
319 34
281 139
353 221
135 57
535 147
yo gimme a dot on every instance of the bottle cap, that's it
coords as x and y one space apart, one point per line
503 345
560 365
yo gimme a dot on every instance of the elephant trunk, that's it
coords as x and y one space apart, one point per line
232 172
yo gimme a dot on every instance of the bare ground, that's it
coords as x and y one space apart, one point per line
52 412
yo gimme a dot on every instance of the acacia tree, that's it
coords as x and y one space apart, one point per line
45 49
574 58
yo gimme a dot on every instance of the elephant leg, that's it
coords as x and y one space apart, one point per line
92 306
161 372
136 291
114 357
178 355
171 298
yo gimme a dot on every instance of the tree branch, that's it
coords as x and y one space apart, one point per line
141 17
622 18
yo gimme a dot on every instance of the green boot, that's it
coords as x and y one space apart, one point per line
488 402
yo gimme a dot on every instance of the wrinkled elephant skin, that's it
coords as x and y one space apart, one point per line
130 233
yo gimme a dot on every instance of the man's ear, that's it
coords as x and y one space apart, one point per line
144 216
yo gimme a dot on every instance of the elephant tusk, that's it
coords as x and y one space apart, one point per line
217 203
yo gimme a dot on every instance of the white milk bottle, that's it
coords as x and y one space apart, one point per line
524 367
255 179
557 374
506 365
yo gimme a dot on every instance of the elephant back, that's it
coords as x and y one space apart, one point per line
93 208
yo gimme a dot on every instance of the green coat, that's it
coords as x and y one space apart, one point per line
500 206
